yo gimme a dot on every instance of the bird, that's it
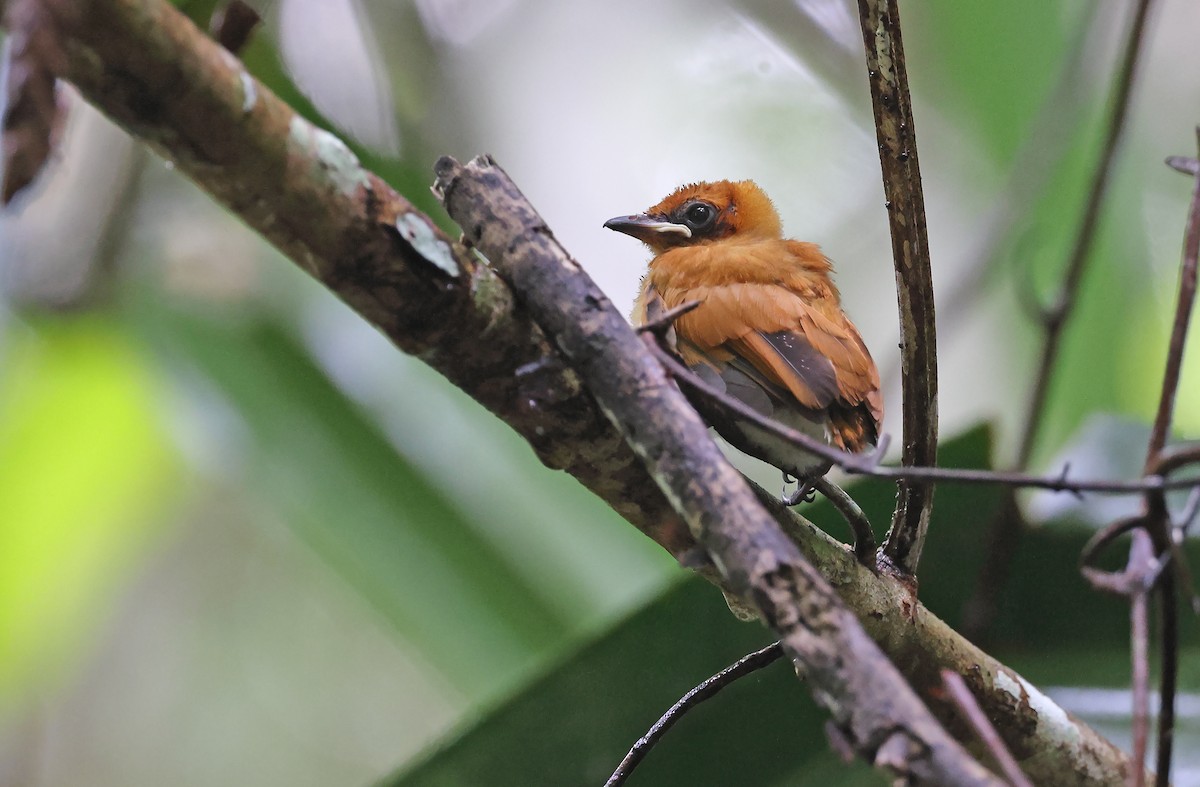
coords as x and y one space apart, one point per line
769 329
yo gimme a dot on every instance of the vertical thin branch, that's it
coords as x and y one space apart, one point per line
905 200
1004 533
1139 646
1136 582
1179 328
1168 678
1159 523
1153 541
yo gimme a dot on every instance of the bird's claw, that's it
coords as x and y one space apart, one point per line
805 493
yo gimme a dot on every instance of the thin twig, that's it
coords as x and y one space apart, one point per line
1106 536
1179 532
1175 457
863 464
1185 164
864 536
1157 515
1179 329
1168 674
1142 573
905 201
968 706
1139 644
706 690
661 324
1190 509
1153 535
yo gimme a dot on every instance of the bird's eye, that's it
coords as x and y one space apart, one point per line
699 215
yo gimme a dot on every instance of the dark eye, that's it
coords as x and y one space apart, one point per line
699 215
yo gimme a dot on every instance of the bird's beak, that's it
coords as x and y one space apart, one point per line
647 228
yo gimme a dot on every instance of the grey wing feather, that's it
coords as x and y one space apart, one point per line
814 369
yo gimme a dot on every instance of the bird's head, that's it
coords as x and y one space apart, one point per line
702 213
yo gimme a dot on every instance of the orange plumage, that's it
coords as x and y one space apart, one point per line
770 329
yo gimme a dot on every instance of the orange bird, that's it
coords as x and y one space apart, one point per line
770 329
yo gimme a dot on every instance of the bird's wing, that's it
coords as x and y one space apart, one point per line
715 365
845 382
822 361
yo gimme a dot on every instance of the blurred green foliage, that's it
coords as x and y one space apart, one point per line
339 481
85 473
996 82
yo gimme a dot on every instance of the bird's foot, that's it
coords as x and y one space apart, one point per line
806 492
